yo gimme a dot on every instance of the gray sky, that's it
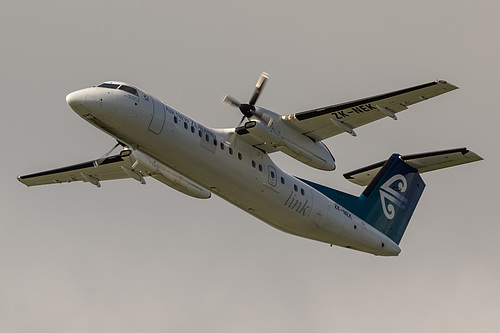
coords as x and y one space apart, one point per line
128 258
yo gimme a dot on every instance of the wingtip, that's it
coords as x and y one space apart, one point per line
452 86
21 180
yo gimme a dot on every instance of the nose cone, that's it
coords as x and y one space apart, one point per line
84 101
75 99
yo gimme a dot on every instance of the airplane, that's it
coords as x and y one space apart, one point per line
234 163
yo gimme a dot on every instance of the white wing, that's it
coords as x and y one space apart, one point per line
325 122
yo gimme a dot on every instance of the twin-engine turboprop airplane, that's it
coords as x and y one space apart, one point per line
235 164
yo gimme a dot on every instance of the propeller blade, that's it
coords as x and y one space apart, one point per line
105 156
270 122
241 121
135 159
262 79
258 87
229 100
231 138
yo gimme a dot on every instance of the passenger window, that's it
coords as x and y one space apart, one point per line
215 142
302 191
295 188
230 150
221 146
185 125
260 167
253 164
282 180
192 129
175 119
240 156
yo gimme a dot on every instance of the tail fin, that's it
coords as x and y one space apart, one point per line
391 197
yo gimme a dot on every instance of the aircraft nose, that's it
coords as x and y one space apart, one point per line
75 99
84 101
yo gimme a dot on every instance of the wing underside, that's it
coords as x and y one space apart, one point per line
127 164
108 169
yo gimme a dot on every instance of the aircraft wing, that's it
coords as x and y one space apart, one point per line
113 167
325 122
423 162
127 164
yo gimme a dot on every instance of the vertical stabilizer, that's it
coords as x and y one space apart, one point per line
393 188
390 199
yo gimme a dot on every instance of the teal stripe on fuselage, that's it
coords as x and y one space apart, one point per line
348 201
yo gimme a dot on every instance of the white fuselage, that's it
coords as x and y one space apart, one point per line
238 172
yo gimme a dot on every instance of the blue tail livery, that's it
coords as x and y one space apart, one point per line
393 188
390 199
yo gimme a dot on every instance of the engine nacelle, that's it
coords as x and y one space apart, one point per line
292 143
147 165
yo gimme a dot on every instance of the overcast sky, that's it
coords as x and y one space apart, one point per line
132 258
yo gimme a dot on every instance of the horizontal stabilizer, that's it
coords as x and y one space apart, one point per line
423 162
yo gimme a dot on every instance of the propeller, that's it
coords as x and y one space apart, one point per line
248 110
105 156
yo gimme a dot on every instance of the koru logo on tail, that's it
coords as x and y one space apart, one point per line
391 194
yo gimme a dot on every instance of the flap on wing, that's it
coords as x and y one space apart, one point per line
423 162
110 168
325 122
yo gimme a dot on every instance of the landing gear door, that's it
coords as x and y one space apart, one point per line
158 118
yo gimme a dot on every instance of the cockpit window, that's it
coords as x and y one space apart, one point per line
123 87
128 89
109 85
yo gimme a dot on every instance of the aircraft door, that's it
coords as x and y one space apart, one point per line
158 119
319 209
